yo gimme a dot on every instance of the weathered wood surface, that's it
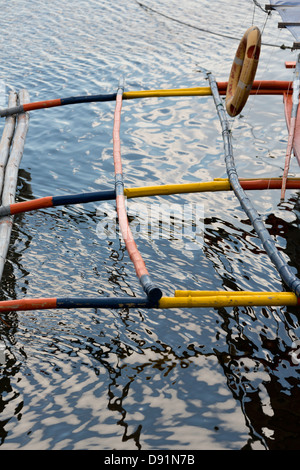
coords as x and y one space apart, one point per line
7 137
11 152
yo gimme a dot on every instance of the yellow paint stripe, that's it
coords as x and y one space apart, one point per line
218 301
222 185
197 91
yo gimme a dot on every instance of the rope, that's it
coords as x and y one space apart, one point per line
145 7
259 6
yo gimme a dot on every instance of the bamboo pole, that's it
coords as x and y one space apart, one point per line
6 138
217 293
11 176
287 275
198 299
258 88
153 292
228 299
218 184
269 87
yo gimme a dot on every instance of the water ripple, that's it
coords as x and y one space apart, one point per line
144 379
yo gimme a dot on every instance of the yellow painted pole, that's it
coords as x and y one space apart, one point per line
207 293
218 301
218 184
198 91
166 189
275 178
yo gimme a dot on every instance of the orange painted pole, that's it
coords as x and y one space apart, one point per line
42 104
153 292
272 183
131 247
28 304
32 205
263 87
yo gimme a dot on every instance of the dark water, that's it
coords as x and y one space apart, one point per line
145 379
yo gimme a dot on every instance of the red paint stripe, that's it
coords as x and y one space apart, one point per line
273 84
269 184
31 205
269 87
42 104
263 91
264 85
27 304
290 65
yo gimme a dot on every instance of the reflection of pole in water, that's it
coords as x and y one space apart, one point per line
262 375
289 231
2 352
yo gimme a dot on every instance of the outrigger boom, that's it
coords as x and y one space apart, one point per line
270 87
239 83
189 299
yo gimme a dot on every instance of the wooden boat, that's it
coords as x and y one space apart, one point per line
240 85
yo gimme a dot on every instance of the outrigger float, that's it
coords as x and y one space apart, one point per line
240 85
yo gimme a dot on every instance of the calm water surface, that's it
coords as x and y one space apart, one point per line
165 379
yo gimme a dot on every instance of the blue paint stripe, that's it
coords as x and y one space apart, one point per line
88 99
83 198
109 302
